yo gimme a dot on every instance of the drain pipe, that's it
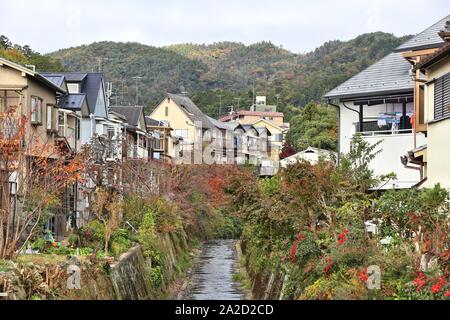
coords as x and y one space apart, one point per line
338 131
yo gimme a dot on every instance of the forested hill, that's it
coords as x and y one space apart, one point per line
228 69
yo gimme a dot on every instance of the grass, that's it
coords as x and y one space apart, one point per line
42 259
238 277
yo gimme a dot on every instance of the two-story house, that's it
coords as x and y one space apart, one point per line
136 139
379 103
434 83
185 118
35 101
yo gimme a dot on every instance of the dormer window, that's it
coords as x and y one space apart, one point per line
73 87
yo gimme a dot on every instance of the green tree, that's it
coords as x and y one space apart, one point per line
315 126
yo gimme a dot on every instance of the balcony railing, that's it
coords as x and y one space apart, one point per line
385 132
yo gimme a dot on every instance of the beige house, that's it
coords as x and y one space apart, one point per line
277 138
184 117
33 101
434 157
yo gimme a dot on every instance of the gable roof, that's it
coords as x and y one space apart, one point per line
90 84
192 111
218 124
131 113
270 123
248 127
39 77
390 75
426 39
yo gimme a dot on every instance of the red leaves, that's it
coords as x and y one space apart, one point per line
295 246
329 265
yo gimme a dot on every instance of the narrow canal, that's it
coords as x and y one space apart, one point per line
212 277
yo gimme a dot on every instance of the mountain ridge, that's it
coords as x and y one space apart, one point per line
228 69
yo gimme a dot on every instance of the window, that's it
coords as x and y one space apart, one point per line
36 110
442 97
73 87
49 117
78 128
167 111
183 133
52 118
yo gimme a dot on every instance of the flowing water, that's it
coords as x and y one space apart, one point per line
213 272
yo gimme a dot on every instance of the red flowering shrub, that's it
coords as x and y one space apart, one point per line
421 281
363 276
342 237
439 285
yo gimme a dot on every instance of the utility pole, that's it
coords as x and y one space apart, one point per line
137 79
278 99
220 105
122 91
239 102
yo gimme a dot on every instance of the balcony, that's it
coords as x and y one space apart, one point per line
137 152
394 144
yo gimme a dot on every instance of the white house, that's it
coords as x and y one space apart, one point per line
378 103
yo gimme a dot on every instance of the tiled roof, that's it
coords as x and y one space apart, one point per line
387 76
90 84
193 112
57 80
428 38
131 113
73 101
390 75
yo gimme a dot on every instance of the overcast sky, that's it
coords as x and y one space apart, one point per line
297 25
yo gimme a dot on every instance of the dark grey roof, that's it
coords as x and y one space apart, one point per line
390 75
193 112
90 84
75 76
428 38
57 80
152 122
73 101
218 124
131 113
